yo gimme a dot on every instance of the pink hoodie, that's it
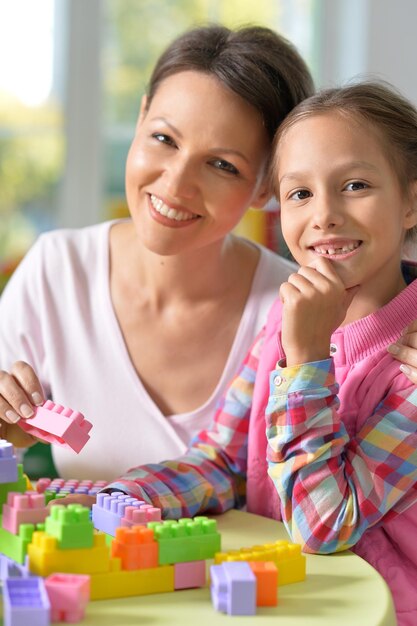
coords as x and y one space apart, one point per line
364 371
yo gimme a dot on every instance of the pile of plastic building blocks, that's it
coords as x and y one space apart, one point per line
54 561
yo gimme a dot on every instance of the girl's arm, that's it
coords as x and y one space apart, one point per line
333 488
211 476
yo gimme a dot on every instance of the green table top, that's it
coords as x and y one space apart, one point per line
340 590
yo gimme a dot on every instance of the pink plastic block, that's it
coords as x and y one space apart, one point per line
59 425
23 508
140 515
42 484
189 575
69 595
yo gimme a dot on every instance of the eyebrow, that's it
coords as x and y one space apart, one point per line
215 149
353 165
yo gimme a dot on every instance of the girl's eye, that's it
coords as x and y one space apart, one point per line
356 185
162 138
225 166
300 194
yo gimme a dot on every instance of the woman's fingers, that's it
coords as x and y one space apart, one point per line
20 391
407 355
28 380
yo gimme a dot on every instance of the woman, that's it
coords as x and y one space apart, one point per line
93 318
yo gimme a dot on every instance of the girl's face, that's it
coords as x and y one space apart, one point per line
341 199
197 162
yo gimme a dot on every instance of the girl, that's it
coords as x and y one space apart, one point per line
341 430
95 316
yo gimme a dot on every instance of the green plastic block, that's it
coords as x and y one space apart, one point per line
20 486
49 495
186 540
15 546
71 525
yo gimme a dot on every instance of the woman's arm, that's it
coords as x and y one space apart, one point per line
211 476
333 488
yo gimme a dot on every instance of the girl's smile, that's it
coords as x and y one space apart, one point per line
336 249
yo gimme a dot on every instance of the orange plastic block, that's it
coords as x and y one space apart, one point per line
136 547
123 583
287 557
266 574
45 556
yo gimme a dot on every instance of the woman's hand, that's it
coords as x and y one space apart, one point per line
315 303
405 350
20 393
74 498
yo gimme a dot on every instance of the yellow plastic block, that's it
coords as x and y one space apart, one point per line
287 557
45 556
123 583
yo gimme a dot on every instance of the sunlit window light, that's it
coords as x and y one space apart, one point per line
26 50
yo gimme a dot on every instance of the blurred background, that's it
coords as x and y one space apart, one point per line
72 73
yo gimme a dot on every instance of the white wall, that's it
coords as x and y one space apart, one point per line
375 38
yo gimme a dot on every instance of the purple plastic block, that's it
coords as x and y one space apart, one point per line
81 490
8 463
109 509
233 588
11 569
25 602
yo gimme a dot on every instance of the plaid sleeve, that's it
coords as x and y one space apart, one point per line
333 488
211 476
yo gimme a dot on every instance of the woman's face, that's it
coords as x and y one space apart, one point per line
197 162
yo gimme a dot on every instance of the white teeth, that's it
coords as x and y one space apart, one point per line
333 250
169 212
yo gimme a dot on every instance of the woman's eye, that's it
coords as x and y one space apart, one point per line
162 138
225 166
356 185
300 194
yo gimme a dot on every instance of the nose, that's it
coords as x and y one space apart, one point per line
327 214
180 177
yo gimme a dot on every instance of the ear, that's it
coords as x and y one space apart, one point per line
410 217
263 195
142 110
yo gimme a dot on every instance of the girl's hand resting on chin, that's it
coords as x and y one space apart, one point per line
315 303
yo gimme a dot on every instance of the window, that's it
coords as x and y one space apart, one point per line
31 125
